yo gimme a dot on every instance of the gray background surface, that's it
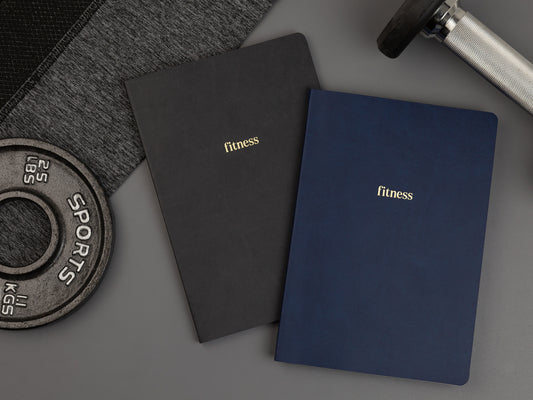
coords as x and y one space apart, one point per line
135 338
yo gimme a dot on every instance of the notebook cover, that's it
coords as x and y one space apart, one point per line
223 138
382 282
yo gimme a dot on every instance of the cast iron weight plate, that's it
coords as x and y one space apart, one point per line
406 24
81 240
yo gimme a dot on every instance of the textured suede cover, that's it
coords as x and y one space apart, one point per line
229 211
388 285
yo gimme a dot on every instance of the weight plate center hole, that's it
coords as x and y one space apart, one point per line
25 232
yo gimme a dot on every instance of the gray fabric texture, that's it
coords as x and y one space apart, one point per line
80 102
25 232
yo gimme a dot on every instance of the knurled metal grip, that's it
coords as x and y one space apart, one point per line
467 37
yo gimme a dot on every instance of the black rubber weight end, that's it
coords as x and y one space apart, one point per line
408 21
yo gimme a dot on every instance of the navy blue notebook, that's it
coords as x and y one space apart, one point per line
388 238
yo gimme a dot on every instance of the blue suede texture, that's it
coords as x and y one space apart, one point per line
384 284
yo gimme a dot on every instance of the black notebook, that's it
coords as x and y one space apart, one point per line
223 138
